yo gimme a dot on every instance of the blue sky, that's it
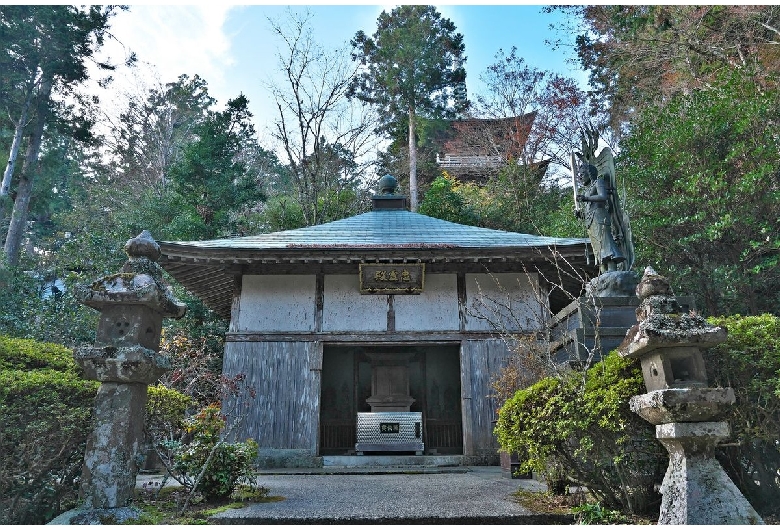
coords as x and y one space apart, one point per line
233 48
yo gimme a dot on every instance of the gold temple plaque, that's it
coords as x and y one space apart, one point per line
404 278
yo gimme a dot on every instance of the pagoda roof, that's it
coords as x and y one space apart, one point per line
207 268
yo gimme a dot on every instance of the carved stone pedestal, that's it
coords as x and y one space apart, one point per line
696 489
389 383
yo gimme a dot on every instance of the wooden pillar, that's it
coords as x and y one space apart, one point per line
466 403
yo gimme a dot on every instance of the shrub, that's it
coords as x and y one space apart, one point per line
45 418
60 318
581 424
195 346
448 199
166 410
749 362
595 514
208 464
25 354
585 427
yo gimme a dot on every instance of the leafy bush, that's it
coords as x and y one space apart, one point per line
59 318
195 345
45 418
207 464
25 354
514 199
582 427
448 199
166 410
194 449
594 513
749 362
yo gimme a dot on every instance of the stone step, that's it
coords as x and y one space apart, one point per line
394 461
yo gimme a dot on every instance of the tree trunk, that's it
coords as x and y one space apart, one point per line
8 174
16 228
412 162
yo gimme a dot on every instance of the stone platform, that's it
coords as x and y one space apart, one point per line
371 462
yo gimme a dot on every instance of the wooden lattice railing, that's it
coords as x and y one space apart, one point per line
455 161
337 435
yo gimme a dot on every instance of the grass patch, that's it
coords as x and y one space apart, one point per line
580 505
219 509
164 507
270 498
544 502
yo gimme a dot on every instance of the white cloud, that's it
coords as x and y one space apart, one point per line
178 39
168 41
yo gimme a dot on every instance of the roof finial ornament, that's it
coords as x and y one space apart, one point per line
387 185
387 198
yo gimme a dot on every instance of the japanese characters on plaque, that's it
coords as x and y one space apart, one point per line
392 278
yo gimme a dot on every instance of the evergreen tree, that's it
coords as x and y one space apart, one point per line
704 194
45 52
216 180
410 68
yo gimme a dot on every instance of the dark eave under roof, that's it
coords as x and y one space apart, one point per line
208 268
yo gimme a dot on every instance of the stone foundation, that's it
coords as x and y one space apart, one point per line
668 341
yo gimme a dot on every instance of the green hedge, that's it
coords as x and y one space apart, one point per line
26 354
45 417
749 362
581 425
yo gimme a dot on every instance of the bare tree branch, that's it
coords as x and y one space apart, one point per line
316 124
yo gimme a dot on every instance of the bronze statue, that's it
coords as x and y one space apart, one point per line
597 202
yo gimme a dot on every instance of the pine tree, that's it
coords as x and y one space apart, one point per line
410 68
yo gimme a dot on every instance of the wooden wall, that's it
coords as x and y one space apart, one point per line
286 378
480 360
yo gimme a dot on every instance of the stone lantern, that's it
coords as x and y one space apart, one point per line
125 359
687 414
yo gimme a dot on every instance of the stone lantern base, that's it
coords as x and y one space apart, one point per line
687 414
125 359
696 489
111 459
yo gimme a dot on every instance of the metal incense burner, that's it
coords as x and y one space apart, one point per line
389 431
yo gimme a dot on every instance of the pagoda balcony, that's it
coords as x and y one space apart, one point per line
470 161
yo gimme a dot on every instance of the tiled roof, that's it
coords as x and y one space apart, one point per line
207 268
381 229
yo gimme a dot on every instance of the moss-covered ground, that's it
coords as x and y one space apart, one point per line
165 506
